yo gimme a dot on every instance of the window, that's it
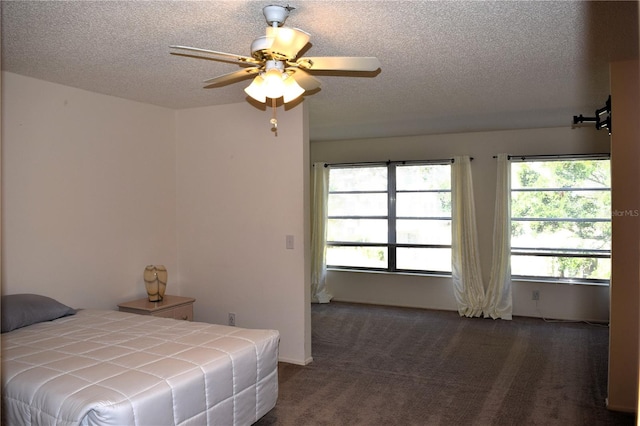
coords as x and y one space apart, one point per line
561 219
390 217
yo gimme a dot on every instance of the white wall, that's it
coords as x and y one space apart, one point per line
95 187
556 300
240 191
88 193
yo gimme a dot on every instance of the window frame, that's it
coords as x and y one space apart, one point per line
392 218
558 252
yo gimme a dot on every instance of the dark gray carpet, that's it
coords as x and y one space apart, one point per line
378 365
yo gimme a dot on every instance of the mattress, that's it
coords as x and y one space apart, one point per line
114 368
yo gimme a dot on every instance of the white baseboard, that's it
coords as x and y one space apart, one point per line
296 361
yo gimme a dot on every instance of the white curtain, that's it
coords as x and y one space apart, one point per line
320 194
498 301
467 276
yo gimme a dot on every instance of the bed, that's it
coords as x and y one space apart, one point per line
97 367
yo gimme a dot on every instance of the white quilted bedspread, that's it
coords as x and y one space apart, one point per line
114 368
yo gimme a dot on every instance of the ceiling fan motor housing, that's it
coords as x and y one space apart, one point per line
260 46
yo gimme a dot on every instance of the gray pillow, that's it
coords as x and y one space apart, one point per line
21 310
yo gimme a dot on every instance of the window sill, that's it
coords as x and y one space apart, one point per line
444 275
406 273
560 282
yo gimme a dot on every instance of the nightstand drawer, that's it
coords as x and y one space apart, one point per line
184 312
176 307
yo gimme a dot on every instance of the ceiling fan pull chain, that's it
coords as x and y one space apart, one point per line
274 119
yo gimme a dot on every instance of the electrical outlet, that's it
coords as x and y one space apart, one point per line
232 318
535 295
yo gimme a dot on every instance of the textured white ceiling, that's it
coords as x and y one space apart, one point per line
447 66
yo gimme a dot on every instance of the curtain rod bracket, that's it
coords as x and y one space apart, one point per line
601 123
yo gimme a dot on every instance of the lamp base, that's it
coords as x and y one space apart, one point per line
155 282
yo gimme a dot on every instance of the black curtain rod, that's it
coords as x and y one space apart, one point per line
445 160
557 156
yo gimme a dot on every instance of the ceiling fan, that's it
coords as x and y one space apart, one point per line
274 63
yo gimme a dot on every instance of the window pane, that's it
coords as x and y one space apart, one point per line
561 267
423 232
559 235
573 204
561 174
358 178
423 204
357 205
357 230
423 177
359 257
426 259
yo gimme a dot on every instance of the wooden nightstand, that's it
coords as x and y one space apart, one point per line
176 307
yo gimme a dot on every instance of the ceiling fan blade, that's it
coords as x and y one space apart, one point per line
287 42
304 79
231 77
240 58
339 63
210 58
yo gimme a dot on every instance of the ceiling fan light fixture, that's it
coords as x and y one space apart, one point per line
274 85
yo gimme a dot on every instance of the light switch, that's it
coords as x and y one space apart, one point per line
289 242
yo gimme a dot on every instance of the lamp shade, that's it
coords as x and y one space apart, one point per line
292 89
256 89
155 281
273 84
